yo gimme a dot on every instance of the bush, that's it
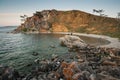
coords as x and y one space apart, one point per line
24 29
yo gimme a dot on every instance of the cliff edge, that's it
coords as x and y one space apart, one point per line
69 21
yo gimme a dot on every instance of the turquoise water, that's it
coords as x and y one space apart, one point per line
16 49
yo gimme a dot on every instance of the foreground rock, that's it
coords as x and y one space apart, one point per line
90 63
71 41
9 73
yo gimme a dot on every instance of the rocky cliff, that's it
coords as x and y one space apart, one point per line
68 21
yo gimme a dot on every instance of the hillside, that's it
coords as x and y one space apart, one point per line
70 21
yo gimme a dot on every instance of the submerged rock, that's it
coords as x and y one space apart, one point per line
34 53
52 46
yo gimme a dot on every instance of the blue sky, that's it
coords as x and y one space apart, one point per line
10 10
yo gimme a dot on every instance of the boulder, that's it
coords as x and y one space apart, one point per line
69 69
71 41
8 73
109 63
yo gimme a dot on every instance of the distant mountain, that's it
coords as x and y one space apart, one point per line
69 21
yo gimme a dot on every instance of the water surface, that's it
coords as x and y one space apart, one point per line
16 49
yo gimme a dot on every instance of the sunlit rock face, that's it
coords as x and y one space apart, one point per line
67 21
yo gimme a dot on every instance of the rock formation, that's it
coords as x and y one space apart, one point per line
97 64
67 21
72 41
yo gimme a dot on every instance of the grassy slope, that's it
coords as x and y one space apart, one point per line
78 21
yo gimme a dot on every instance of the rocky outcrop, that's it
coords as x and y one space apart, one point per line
71 41
67 21
97 64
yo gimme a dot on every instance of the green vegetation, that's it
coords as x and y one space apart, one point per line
24 29
68 26
81 30
115 34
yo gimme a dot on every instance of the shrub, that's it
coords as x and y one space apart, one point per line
24 29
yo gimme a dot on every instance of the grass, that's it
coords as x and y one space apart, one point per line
81 30
103 31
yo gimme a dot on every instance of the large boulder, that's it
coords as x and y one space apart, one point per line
72 41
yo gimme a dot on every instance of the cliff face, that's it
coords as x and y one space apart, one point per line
68 21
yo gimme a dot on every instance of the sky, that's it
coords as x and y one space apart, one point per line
10 10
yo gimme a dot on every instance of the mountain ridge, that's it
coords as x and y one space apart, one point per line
69 21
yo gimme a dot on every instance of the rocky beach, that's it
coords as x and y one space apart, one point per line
82 62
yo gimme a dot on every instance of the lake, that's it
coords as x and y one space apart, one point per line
17 50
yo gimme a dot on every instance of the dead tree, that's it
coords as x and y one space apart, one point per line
100 11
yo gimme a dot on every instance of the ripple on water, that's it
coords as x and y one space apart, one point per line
17 49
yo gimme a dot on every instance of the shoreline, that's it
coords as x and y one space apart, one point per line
90 63
114 42
85 63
